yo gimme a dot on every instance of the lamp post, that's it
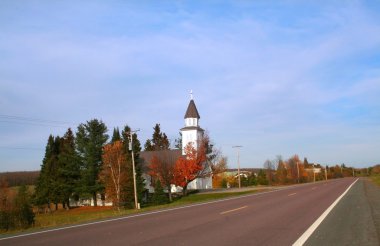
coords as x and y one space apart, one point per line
133 167
238 162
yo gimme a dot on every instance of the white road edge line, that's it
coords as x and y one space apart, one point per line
154 212
301 240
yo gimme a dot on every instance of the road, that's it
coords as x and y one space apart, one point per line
278 217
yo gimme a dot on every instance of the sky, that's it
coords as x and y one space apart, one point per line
276 77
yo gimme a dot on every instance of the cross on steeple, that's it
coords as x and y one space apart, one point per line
191 95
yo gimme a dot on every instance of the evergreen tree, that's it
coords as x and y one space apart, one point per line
159 196
90 139
128 189
23 212
148 145
159 140
69 168
46 191
115 135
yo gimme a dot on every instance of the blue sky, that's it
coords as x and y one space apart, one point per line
277 77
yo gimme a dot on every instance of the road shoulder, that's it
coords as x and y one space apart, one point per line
354 220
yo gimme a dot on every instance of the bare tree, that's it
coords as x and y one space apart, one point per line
269 167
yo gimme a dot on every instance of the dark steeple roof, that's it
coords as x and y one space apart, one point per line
192 111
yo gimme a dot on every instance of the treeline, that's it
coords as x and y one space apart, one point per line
20 178
290 171
73 167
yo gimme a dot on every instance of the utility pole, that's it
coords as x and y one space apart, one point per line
137 205
353 172
326 172
314 172
298 171
238 162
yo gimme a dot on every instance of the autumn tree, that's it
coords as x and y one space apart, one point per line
189 167
281 172
90 140
217 162
162 167
114 171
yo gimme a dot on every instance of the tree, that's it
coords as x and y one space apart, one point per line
281 173
114 172
159 196
262 178
217 161
159 140
47 190
268 165
68 168
115 135
90 140
162 167
23 213
189 168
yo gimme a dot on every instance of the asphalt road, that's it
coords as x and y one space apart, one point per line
278 217
354 221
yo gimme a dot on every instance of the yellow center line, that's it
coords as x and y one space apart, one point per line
232 210
292 194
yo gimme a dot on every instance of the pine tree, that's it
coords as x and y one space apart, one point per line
90 140
159 196
159 140
23 212
69 168
115 135
148 145
47 191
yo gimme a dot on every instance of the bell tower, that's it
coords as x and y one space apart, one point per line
191 133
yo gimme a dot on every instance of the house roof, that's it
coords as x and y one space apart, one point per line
169 155
192 111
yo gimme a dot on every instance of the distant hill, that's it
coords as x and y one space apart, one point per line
20 178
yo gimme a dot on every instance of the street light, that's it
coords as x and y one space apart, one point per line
238 162
133 167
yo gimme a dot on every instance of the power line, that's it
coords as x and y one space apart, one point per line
33 121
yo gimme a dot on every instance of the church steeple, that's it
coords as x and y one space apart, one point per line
191 133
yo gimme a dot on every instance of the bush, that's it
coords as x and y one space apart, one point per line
159 196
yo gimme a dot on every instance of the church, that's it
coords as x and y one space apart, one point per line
191 133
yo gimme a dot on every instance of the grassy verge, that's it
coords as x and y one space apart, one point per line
87 214
376 179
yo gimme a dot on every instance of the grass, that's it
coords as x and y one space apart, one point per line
88 214
376 179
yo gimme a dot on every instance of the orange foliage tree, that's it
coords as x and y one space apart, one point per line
162 167
114 173
189 167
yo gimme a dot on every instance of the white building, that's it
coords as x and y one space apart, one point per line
191 133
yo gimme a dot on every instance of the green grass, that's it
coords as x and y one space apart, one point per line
376 179
88 214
